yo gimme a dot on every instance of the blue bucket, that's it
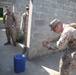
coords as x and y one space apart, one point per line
19 63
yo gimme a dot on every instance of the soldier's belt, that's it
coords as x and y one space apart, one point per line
25 32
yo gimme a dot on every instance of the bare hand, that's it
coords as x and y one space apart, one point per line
45 43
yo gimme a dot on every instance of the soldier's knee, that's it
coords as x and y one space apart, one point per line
64 72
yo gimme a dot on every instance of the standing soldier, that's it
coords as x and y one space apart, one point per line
10 21
24 26
67 37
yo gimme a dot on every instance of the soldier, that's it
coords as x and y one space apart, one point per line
10 21
67 37
24 26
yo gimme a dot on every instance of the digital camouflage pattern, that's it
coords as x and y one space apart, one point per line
68 61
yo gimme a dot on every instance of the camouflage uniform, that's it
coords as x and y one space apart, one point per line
68 61
24 27
10 22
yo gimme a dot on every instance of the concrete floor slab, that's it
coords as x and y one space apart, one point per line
47 65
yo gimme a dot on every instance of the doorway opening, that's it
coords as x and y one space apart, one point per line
1 13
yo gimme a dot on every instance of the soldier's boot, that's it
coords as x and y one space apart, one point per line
15 44
7 43
24 50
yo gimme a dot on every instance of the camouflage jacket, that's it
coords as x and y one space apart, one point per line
9 19
67 37
24 21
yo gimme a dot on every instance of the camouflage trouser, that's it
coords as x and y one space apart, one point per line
10 33
68 63
25 43
25 39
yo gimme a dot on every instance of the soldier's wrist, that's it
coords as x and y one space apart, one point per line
48 46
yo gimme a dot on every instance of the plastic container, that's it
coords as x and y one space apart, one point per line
22 41
19 63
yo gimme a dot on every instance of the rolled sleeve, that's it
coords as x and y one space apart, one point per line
64 39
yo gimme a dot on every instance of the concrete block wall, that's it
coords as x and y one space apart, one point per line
44 11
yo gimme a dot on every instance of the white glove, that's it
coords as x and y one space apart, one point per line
22 32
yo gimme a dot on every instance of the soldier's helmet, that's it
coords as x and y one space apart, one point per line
54 23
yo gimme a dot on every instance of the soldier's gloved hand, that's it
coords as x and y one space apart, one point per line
22 32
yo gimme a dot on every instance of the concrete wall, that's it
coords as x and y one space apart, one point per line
44 11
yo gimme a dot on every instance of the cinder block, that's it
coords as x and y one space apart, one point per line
72 4
61 1
39 22
35 15
67 2
38 2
